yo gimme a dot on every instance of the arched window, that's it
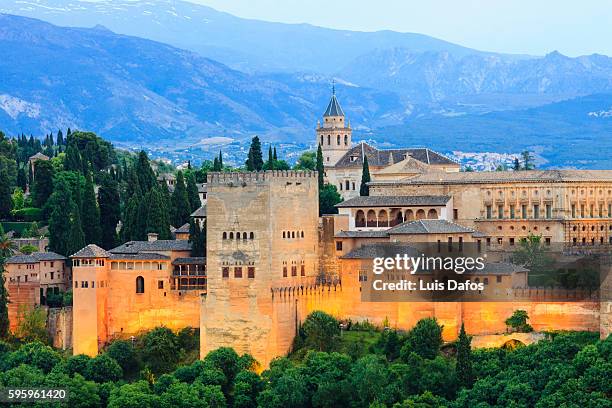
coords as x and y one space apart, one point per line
420 214
348 185
346 140
140 284
328 140
340 186
408 215
360 219
237 235
284 234
371 219
292 234
231 236
432 214
244 235
225 235
302 234
383 219
252 235
321 140
338 138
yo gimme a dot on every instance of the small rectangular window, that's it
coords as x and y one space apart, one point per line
524 211
338 245
225 272
302 270
548 211
251 272
512 212
160 284
536 211
293 270
489 212
511 241
238 272
500 212
455 214
284 271
499 279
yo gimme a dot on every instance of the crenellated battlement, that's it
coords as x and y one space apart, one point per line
259 177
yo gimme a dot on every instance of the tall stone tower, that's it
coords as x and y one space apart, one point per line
262 239
334 135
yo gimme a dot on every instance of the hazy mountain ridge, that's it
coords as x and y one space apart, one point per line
244 44
124 86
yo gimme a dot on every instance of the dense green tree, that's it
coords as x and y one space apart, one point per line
307 161
22 179
6 202
159 350
18 199
516 166
322 331
364 190
76 364
43 182
328 198
320 168
103 368
60 138
181 208
424 339
73 161
197 237
65 232
153 210
269 165
7 247
90 215
518 322
144 172
465 373
130 229
122 351
110 212
192 192
255 158
220 160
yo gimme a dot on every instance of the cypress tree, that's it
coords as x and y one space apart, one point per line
465 373
216 164
5 252
130 227
6 202
108 199
146 177
270 164
60 138
43 182
364 190
197 237
181 208
320 168
517 164
73 160
274 155
90 215
192 192
63 211
157 217
220 161
77 238
255 160
22 179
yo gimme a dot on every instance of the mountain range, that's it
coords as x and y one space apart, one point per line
172 74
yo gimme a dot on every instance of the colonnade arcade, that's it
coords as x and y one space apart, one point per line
390 217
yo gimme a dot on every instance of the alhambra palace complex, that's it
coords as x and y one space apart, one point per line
271 259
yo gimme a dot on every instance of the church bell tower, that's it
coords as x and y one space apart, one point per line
334 135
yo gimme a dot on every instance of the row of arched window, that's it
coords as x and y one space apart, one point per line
293 234
338 140
385 219
238 235
294 269
348 185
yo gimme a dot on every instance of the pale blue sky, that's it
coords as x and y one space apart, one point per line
573 27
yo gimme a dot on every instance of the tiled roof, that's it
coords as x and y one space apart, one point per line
91 251
333 108
200 212
182 229
144 256
429 227
134 247
194 260
362 234
394 201
48 256
39 156
381 158
381 250
476 177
